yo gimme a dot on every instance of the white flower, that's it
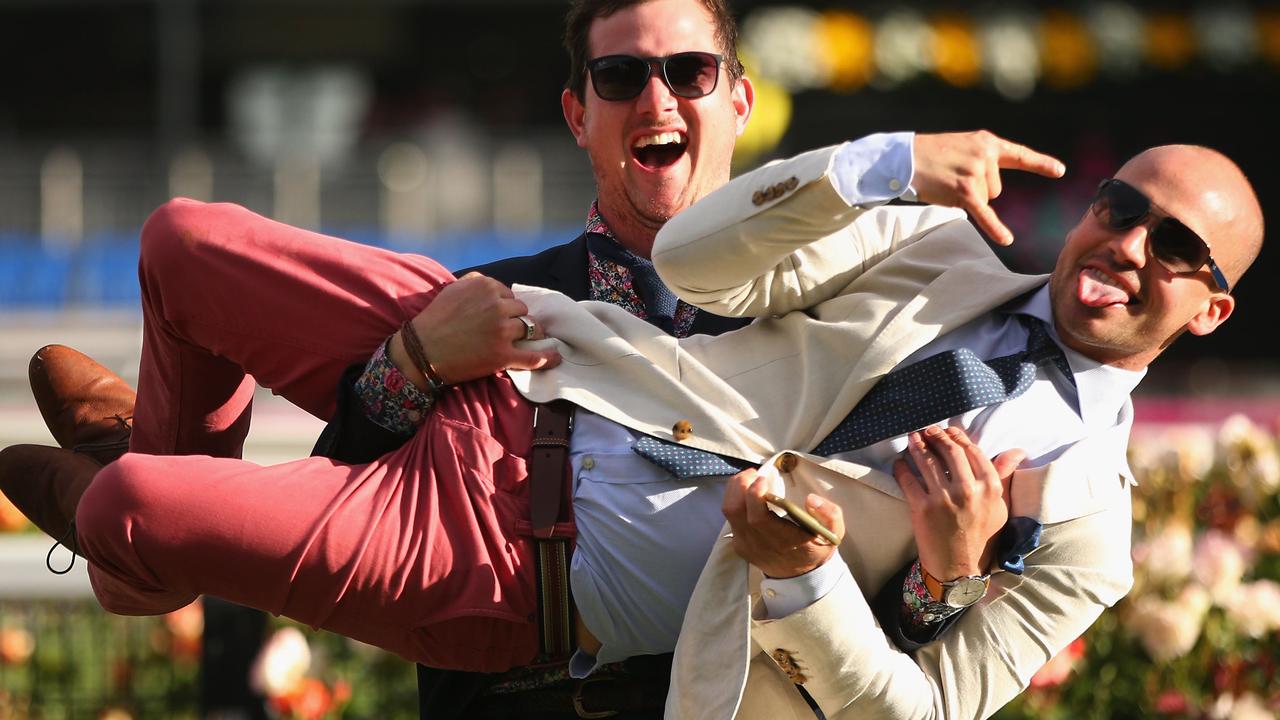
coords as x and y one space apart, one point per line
1218 565
1246 707
1250 707
1165 556
1255 608
1250 454
280 665
1169 629
1193 451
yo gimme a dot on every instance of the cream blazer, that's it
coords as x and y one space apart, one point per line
844 293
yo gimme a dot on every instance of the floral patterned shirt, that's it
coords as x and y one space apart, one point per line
612 283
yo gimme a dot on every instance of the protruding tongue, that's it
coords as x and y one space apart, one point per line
1099 294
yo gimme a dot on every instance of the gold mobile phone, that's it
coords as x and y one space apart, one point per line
801 518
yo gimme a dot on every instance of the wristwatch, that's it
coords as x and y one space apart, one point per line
959 593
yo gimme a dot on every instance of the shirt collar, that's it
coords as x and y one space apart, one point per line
1102 390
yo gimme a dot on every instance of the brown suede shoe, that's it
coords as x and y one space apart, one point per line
87 407
45 484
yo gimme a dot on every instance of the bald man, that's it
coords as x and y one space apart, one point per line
1154 256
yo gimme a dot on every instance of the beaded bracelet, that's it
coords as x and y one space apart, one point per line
413 346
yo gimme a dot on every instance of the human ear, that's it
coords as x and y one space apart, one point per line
1216 310
744 98
574 116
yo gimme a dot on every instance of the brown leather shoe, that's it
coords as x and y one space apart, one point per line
45 484
87 407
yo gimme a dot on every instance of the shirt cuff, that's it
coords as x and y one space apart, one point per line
389 399
875 169
784 596
920 612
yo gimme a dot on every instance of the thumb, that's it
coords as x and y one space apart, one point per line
534 360
1005 463
827 513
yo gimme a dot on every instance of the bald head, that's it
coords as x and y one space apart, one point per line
1209 193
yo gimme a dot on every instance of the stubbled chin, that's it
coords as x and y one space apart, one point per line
1095 294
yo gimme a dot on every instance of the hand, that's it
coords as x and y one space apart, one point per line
959 500
777 547
963 170
470 330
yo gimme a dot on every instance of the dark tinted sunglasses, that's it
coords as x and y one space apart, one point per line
687 74
1177 247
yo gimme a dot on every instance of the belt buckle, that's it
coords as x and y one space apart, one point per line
582 712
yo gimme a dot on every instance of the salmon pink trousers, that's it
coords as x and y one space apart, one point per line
425 552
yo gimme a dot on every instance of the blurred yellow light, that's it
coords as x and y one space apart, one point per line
1067 53
1170 41
957 57
847 45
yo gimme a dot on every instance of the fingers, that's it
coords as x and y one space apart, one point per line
827 513
1008 461
930 470
757 510
1020 157
734 505
989 222
912 486
533 359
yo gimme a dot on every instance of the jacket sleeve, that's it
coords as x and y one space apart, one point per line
782 238
987 657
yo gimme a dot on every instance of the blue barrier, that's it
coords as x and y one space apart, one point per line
102 271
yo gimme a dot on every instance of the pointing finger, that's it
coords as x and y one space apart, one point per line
1020 157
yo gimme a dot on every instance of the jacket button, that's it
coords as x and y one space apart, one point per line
682 430
786 462
588 462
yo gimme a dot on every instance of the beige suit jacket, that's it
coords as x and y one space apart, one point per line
850 292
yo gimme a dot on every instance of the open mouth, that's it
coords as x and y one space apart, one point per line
1099 289
659 150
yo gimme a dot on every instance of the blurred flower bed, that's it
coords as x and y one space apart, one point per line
70 660
1197 638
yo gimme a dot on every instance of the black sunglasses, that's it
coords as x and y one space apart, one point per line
686 74
1177 247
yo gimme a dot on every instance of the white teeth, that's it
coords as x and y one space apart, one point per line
666 138
1104 278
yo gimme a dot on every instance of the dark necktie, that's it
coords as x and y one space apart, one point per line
908 398
942 386
659 301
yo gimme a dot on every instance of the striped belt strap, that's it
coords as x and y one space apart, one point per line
548 475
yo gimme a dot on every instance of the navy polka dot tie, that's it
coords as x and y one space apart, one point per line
908 398
943 386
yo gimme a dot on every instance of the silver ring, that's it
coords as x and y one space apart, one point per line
528 326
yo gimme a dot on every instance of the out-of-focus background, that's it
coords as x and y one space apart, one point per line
434 126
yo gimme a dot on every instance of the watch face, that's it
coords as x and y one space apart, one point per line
965 592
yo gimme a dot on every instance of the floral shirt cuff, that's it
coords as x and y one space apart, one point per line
389 399
920 612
